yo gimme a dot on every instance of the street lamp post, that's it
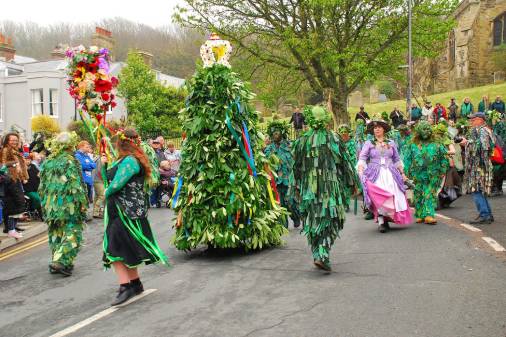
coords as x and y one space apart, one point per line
410 61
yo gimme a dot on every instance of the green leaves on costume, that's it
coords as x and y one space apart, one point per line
153 162
220 203
323 175
62 190
278 125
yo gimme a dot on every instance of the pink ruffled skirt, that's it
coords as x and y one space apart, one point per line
388 200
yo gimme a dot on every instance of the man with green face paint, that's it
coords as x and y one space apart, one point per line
324 174
280 147
426 162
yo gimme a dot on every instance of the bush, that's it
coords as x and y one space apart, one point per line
45 125
387 88
82 131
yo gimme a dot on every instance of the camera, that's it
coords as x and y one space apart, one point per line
458 139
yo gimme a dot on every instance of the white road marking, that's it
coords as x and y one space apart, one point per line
494 244
469 227
443 216
100 315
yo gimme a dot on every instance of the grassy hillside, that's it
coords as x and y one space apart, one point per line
474 93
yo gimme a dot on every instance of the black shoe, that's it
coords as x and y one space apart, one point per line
491 218
19 229
58 268
124 294
137 287
481 221
383 228
387 225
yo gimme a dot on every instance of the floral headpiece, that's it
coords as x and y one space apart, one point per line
121 136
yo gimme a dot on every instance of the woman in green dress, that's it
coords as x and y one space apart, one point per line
128 239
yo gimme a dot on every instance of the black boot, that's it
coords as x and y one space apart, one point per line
137 286
125 293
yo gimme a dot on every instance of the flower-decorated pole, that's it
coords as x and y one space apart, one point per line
90 84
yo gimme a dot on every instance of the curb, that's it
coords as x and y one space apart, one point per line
31 231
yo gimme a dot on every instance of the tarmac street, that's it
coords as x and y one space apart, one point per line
432 281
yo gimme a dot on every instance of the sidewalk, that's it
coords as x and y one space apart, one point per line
32 229
464 210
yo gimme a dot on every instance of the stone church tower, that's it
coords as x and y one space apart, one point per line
467 60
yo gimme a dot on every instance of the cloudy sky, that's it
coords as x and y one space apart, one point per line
151 12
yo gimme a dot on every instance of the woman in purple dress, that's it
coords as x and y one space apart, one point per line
382 175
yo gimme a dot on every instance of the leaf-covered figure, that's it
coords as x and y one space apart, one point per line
426 162
280 148
224 197
324 175
64 202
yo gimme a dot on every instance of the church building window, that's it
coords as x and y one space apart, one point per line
451 48
499 30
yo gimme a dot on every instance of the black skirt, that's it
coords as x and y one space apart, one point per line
132 243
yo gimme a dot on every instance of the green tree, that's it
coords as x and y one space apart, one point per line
335 45
152 107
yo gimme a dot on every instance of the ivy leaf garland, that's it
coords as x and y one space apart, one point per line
220 203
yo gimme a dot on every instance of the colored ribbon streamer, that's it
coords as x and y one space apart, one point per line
177 191
239 142
232 198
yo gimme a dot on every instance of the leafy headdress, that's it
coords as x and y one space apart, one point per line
422 132
344 129
278 125
493 117
64 141
317 117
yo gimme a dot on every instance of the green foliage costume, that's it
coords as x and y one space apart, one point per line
425 162
281 150
64 200
324 174
225 199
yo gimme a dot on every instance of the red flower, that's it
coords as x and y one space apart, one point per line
113 104
103 86
99 117
114 81
105 97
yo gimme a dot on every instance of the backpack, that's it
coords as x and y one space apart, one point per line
497 156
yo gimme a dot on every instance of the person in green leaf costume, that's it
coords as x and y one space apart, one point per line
324 174
64 202
345 133
280 148
426 162
223 196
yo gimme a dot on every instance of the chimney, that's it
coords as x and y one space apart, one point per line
7 50
103 39
146 57
58 52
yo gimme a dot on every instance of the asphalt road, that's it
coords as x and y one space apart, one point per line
465 210
421 281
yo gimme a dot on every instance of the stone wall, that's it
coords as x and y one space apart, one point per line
472 65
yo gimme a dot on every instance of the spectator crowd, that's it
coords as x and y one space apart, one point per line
20 164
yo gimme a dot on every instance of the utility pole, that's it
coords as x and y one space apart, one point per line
410 60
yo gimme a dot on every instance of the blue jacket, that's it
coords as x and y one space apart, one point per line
87 165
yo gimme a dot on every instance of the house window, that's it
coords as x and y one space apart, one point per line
37 102
499 30
451 47
53 102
